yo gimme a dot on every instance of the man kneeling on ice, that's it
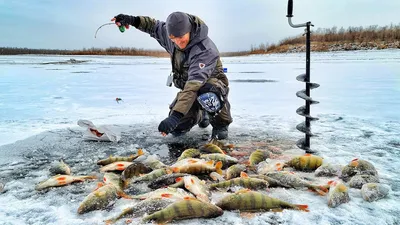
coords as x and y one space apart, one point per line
196 70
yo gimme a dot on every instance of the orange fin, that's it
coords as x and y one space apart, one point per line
178 179
123 195
61 178
189 198
247 215
307 154
244 175
218 167
108 222
166 195
140 152
175 169
321 190
303 208
211 162
354 163
243 191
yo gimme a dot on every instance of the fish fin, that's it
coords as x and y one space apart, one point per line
61 182
166 195
108 222
244 175
140 152
307 154
175 169
61 178
230 146
243 191
189 198
342 188
128 221
178 179
279 166
331 182
211 162
218 167
191 180
192 161
99 185
123 195
354 163
276 210
247 215
303 208
321 190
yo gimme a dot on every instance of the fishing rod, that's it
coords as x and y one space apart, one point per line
305 127
121 28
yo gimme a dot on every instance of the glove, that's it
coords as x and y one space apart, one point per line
170 123
126 20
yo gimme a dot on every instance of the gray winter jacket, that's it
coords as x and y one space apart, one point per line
192 66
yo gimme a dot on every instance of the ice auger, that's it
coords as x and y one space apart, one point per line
305 127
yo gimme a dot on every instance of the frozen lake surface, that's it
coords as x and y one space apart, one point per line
41 101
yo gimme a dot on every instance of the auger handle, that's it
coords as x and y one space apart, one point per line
290 9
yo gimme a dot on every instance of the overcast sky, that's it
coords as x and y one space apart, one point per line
233 24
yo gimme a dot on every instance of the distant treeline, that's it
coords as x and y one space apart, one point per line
85 51
323 39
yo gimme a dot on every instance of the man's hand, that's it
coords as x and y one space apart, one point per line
124 20
170 123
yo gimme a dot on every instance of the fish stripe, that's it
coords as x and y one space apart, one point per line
176 209
242 182
202 212
190 207
253 201
263 202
